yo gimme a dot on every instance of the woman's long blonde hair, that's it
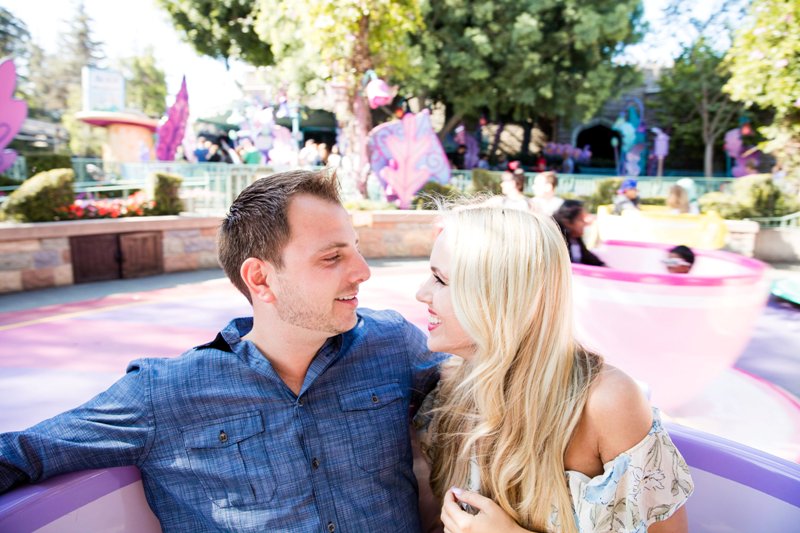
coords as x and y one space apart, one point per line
515 404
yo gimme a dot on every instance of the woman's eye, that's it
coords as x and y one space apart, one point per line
438 280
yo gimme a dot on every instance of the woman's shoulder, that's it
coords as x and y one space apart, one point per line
616 412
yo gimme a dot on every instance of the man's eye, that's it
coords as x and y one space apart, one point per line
332 259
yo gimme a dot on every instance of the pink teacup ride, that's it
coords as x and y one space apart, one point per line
737 488
674 332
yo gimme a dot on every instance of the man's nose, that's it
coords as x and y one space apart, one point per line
361 272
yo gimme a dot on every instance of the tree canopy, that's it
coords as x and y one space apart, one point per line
222 30
529 58
765 71
509 58
145 84
691 101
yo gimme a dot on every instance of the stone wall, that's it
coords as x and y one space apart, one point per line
778 245
35 256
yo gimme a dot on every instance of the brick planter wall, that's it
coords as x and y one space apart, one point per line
35 256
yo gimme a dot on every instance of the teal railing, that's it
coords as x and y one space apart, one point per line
211 187
787 221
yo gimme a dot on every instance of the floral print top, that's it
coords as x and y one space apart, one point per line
642 485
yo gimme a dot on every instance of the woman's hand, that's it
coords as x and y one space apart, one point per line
490 519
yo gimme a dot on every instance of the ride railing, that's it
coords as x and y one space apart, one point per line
209 188
788 221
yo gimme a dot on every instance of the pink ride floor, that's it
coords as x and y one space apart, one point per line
55 357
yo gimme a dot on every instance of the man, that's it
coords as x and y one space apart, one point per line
545 200
627 197
293 420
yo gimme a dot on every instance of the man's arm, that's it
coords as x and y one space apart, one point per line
112 429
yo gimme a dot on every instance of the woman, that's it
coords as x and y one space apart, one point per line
571 218
545 436
678 200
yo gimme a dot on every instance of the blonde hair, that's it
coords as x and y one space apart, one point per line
678 199
515 404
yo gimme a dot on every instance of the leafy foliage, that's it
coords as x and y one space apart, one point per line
529 58
42 198
145 84
485 182
222 30
166 194
765 71
691 101
42 162
750 197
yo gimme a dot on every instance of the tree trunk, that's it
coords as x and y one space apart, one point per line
527 129
449 126
496 142
361 119
708 159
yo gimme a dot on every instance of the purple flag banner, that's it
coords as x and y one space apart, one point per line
12 113
173 126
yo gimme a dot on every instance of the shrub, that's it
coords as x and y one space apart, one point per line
432 191
42 162
166 194
485 181
653 200
604 193
43 197
750 197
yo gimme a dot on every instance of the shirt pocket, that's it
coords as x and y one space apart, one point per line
377 420
229 458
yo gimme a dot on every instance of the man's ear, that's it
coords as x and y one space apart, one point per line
257 275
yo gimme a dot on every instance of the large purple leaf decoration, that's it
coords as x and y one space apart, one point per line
12 113
406 154
173 126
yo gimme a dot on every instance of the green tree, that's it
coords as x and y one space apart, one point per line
520 59
77 49
340 41
145 84
14 36
222 30
764 62
692 102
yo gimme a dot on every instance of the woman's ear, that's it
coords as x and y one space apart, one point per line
257 275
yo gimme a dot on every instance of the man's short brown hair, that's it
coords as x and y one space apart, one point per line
257 223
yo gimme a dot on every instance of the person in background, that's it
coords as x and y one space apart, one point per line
512 184
677 200
690 187
528 430
249 154
483 162
679 260
627 197
572 219
544 199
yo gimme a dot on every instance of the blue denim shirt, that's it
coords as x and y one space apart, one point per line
224 445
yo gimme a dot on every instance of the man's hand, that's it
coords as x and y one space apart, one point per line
490 518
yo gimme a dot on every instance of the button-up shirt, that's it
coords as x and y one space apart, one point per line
224 445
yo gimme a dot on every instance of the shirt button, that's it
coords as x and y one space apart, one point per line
300 402
223 437
331 527
375 398
315 463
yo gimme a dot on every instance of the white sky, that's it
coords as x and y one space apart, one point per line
127 27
